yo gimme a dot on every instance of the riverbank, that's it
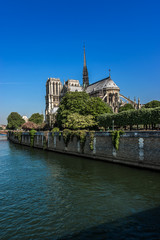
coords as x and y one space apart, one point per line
137 149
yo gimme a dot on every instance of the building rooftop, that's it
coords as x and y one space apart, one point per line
104 83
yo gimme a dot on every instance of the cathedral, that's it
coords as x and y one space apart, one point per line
106 89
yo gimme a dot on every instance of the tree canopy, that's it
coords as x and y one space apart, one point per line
29 125
76 121
36 118
82 104
129 118
14 120
126 107
152 104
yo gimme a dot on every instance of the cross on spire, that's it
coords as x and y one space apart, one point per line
109 72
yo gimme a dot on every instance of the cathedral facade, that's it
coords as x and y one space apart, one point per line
106 89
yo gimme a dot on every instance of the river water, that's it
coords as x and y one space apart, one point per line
44 195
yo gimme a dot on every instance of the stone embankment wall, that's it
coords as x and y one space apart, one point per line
140 149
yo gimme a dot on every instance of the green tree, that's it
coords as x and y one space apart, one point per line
96 106
126 107
36 118
152 104
129 118
76 121
81 103
14 120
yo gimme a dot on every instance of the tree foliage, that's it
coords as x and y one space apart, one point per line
129 118
126 107
82 104
116 137
76 121
29 126
14 120
36 118
32 133
152 104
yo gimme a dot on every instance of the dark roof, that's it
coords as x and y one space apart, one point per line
101 84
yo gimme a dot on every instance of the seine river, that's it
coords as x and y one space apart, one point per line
44 195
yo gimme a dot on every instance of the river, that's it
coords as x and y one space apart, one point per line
45 195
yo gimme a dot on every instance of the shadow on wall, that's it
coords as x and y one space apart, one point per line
143 225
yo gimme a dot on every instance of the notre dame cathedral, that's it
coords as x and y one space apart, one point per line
106 89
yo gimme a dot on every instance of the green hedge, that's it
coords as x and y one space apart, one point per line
129 118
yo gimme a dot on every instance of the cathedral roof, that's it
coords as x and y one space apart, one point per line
104 83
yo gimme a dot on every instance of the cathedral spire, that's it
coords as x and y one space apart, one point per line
84 57
85 72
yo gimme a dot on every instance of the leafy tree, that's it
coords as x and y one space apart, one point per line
129 118
96 106
36 118
14 120
29 126
81 103
76 121
152 104
126 107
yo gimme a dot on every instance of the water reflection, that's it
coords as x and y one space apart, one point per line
50 195
143 225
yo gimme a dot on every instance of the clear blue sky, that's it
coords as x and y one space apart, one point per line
41 39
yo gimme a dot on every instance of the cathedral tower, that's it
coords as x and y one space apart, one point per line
85 73
53 97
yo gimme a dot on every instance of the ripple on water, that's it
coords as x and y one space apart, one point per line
51 196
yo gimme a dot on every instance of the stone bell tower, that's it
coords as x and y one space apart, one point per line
53 96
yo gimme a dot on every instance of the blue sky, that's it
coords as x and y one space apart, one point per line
41 39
